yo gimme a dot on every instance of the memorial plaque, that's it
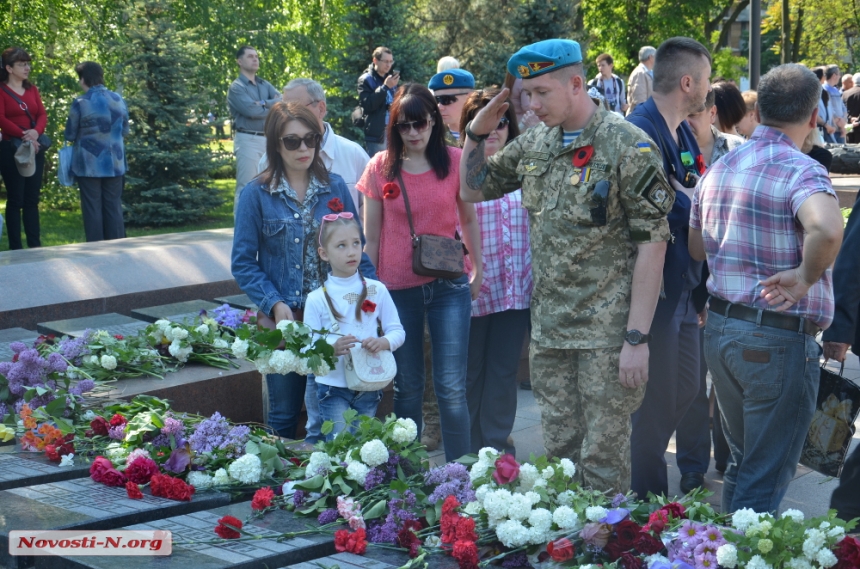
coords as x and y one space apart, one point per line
240 301
112 323
265 553
374 558
28 469
180 312
11 335
84 504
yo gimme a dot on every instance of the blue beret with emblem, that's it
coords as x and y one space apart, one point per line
452 79
544 57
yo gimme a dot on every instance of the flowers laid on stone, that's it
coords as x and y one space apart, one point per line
202 341
291 347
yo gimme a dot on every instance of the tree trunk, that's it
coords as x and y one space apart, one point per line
798 32
785 43
727 26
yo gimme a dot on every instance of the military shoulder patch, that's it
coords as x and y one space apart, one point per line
643 146
658 194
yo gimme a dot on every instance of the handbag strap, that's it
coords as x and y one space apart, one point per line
408 209
21 104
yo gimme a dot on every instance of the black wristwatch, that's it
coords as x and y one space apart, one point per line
635 337
473 136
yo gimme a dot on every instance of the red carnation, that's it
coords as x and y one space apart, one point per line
450 504
103 472
466 529
262 498
350 542
390 191
67 448
848 553
630 561
466 554
613 550
407 539
335 205
133 490
368 306
560 550
507 469
100 426
675 510
117 421
118 336
647 544
51 452
448 525
171 488
657 522
228 528
141 470
627 532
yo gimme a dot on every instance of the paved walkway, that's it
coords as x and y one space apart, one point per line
809 492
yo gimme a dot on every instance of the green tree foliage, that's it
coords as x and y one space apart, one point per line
821 31
167 156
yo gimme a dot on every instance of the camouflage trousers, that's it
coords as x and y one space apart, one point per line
585 412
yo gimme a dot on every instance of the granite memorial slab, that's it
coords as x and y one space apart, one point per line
11 335
181 312
19 469
192 532
240 301
84 504
374 558
111 322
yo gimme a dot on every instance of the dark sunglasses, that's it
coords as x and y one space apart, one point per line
419 126
293 142
446 99
503 124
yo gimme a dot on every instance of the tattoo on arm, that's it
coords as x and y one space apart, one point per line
476 168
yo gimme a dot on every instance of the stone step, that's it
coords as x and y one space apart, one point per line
265 553
374 558
181 312
20 468
111 322
11 335
240 301
84 504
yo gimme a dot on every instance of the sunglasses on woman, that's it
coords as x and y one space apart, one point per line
447 99
293 142
419 126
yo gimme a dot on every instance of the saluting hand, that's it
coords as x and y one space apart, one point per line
488 118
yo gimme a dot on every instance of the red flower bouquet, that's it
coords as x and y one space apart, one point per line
228 527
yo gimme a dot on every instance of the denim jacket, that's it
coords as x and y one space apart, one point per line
268 243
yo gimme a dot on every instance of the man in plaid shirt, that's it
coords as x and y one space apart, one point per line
767 219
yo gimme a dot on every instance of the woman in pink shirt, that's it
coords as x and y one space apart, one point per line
20 123
430 172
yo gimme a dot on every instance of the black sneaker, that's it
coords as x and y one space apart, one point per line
692 481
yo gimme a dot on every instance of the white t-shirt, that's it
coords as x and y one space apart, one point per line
344 294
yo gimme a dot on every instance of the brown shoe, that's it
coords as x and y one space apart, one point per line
431 438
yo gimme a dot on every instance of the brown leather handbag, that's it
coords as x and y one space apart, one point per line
432 255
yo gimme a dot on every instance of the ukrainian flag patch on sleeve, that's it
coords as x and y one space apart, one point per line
643 146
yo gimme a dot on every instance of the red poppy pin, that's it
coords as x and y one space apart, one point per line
335 205
581 156
368 306
700 164
390 191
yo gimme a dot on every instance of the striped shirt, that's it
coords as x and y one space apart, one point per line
567 137
507 258
746 205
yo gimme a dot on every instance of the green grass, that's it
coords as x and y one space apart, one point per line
64 227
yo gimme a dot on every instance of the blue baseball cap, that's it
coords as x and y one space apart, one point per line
543 57
452 79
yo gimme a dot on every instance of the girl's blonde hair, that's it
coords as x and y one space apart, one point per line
326 229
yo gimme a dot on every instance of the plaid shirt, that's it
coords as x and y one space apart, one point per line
507 258
746 206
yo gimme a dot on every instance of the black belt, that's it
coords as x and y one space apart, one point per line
767 318
254 132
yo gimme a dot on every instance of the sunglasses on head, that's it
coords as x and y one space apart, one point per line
333 217
419 126
293 142
447 99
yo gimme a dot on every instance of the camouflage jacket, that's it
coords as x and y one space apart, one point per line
583 271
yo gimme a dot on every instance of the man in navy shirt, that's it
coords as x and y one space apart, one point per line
682 69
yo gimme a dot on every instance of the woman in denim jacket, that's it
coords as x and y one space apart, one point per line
275 259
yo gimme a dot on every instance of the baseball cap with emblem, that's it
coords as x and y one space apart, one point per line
452 79
543 57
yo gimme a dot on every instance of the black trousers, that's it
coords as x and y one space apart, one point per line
846 498
101 205
693 437
23 196
495 345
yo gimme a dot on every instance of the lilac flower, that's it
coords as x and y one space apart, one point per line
82 387
117 433
73 349
299 498
234 442
381 532
518 560
209 434
327 517
2 410
451 479
41 400
229 317
56 363
17 347
618 500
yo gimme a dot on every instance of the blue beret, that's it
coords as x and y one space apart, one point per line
452 79
543 57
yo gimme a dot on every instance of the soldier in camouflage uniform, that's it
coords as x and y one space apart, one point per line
451 89
597 214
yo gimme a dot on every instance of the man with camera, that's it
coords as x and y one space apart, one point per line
682 69
376 89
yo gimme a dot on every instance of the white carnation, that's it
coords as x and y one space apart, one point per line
826 558
512 533
527 477
199 480
547 473
744 518
565 518
478 470
67 460
757 562
373 453
202 329
221 478
357 471
405 431
567 467
488 456
566 497
247 469
108 362
240 348
727 556
519 507
318 462
795 515
541 519
595 513
219 344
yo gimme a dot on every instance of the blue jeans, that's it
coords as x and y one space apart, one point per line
312 405
767 385
334 401
286 394
447 306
